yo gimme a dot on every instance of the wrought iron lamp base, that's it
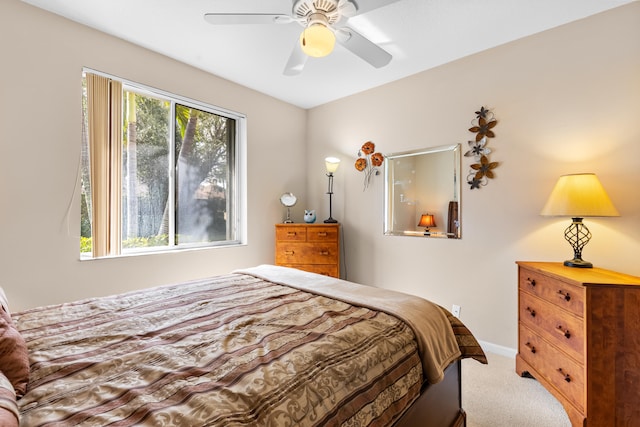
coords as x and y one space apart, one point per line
578 235
578 263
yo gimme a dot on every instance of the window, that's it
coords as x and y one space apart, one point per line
159 172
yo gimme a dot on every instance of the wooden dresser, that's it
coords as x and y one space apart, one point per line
579 336
309 247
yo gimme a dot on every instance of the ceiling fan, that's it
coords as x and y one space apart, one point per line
324 23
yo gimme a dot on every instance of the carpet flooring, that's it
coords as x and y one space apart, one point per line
494 395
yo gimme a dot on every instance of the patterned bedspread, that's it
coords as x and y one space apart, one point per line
233 350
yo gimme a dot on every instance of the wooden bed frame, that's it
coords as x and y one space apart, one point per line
439 405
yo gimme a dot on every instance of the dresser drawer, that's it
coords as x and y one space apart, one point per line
559 293
321 233
303 253
559 327
291 234
561 371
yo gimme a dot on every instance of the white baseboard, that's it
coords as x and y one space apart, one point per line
498 349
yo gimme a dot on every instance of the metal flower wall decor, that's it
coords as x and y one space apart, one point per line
481 171
368 162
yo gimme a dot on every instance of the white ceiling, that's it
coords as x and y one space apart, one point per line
420 34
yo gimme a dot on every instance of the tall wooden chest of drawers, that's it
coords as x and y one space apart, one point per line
309 247
579 336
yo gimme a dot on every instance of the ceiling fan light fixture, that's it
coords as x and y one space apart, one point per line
317 40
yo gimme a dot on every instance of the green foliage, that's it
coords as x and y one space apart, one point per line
153 141
85 245
146 242
85 221
136 242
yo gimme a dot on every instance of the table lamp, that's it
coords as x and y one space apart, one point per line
578 196
427 221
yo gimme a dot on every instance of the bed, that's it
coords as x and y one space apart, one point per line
264 346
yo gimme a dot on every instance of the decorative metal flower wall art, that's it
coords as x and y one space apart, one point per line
368 162
481 171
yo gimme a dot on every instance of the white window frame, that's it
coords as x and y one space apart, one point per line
239 176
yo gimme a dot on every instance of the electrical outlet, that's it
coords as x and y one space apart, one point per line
455 310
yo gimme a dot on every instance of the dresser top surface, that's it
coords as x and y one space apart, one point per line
308 224
582 276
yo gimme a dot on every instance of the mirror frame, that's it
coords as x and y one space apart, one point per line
454 209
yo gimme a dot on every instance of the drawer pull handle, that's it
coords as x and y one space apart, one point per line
291 233
322 234
564 295
531 312
289 252
531 282
564 332
530 347
567 377
325 253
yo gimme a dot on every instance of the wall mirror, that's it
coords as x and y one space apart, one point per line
422 191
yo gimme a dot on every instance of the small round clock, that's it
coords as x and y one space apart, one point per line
288 200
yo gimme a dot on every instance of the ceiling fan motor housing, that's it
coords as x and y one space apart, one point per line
317 11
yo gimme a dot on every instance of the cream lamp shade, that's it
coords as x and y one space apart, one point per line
331 164
317 40
578 196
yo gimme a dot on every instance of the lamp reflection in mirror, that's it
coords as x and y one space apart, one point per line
427 221
578 196
331 165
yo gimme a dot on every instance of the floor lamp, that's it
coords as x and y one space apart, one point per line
331 164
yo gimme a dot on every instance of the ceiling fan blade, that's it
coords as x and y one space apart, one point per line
364 6
296 61
347 8
246 18
363 47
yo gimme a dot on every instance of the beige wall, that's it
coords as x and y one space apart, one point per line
566 100
40 94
